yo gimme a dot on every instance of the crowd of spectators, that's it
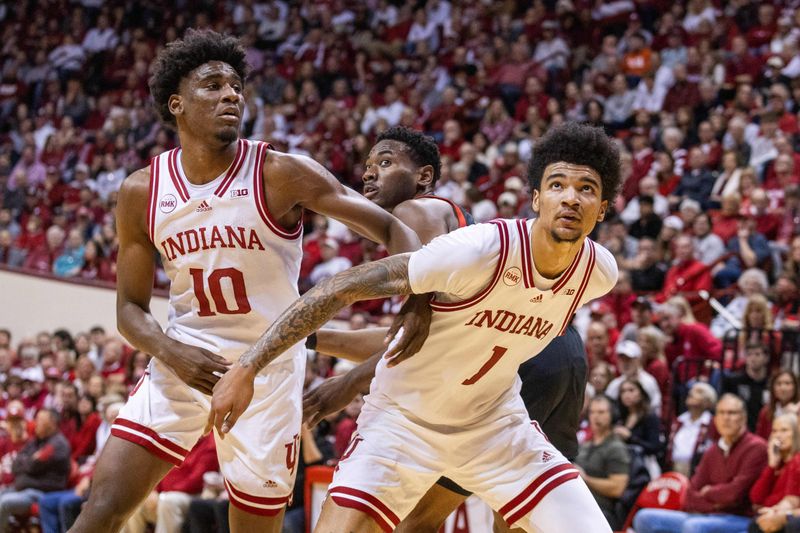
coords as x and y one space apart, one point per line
702 96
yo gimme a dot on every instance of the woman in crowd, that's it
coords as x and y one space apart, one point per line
83 442
777 489
757 326
783 399
752 281
652 340
638 425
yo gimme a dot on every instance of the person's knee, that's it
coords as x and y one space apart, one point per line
641 521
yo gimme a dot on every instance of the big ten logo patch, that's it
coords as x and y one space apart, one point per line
168 203
512 276
239 193
292 453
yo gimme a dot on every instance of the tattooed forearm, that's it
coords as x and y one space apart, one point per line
378 279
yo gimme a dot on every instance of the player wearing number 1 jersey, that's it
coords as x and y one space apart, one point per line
224 215
503 291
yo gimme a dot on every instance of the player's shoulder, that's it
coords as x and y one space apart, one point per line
474 240
136 185
605 264
425 208
285 165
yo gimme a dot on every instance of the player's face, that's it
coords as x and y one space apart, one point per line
210 101
391 177
569 201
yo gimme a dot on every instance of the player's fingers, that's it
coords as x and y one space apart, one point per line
397 343
230 419
216 358
394 329
314 420
214 366
204 386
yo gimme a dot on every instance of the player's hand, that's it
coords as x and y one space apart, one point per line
409 329
333 395
198 368
232 395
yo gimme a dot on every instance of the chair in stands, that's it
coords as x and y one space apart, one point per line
666 492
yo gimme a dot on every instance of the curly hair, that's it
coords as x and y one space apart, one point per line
182 56
578 144
421 148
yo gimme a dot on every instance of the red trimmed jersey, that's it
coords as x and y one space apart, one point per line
232 268
489 316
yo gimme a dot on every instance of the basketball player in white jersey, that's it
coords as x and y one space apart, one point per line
400 175
224 214
503 291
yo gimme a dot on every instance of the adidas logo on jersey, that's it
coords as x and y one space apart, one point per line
239 193
269 484
536 299
203 207
546 456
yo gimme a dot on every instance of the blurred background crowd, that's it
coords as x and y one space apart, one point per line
702 96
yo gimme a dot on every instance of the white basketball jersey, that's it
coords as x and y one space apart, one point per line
233 269
481 333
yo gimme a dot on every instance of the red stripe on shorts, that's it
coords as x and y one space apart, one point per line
513 504
372 506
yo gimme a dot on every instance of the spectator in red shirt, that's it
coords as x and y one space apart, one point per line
683 92
725 222
347 425
760 35
13 436
717 497
777 490
41 258
741 67
687 275
693 341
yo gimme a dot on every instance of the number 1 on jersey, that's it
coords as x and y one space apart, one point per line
215 286
497 353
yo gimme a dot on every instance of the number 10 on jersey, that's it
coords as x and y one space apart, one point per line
214 281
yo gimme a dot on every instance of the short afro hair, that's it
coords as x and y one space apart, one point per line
421 148
182 56
579 144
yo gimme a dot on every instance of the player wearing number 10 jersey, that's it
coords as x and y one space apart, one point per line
224 214
503 290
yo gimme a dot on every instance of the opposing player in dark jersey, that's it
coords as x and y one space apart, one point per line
400 176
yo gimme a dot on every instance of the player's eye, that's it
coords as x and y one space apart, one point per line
213 86
385 162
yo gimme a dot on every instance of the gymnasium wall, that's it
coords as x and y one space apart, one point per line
29 304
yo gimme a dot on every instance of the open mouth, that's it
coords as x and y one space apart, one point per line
370 191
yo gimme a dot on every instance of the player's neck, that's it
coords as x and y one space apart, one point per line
550 257
203 162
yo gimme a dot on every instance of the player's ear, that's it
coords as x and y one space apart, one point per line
175 104
603 207
535 200
425 176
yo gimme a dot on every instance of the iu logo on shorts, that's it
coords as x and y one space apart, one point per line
350 449
292 452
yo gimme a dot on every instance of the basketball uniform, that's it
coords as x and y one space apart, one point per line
233 270
455 409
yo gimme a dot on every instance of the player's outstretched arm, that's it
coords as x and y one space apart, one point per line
379 279
198 368
334 394
317 189
356 346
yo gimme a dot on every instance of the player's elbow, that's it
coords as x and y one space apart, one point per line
618 487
